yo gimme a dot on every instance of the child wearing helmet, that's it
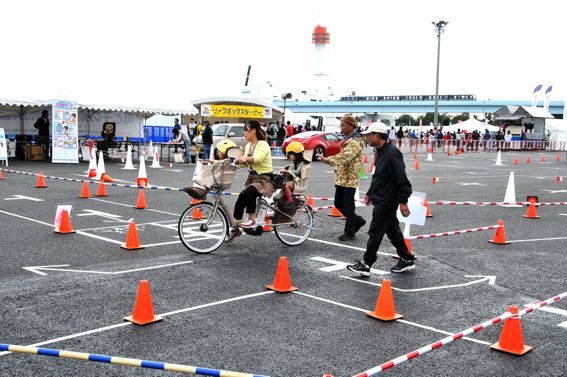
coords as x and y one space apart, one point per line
294 152
203 180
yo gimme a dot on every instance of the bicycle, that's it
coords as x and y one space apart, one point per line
204 226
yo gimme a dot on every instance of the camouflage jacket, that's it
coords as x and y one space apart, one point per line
348 162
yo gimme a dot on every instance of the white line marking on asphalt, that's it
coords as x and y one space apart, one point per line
23 197
27 218
131 206
338 265
156 223
101 329
539 239
548 309
37 269
398 320
491 280
348 247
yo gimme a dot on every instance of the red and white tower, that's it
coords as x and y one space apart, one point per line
320 39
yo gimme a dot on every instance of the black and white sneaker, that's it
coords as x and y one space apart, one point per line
232 235
403 265
359 267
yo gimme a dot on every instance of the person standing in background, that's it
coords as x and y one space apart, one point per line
42 124
207 140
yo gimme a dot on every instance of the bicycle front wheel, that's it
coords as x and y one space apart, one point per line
201 230
296 233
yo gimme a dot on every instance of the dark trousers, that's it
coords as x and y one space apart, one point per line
384 221
246 200
43 140
344 201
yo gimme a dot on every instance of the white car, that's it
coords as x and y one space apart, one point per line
221 131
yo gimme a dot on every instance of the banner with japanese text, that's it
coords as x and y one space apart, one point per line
65 131
235 111
3 146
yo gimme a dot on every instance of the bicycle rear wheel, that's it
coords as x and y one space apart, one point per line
198 231
296 233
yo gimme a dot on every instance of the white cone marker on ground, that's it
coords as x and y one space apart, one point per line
129 165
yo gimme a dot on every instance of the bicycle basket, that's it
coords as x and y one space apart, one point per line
223 174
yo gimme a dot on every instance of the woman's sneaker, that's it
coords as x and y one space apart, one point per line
403 265
248 224
359 267
232 235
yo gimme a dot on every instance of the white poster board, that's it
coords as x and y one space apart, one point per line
65 131
3 146
417 210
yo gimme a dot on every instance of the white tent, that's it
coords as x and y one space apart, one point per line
557 130
470 125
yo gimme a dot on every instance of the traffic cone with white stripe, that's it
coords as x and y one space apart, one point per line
511 339
142 175
155 163
92 164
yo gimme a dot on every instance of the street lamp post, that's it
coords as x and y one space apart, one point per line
438 29
285 97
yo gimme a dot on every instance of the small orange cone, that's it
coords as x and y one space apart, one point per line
385 309
65 226
1 176
511 339
274 144
449 151
416 167
415 155
197 214
267 227
516 161
542 158
282 281
335 212
426 204
557 158
528 160
365 159
408 245
143 308
310 201
85 193
499 235
371 168
106 178
101 189
40 181
132 240
141 203
532 211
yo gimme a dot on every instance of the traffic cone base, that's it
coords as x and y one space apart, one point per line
141 203
65 226
385 309
132 240
499 235
335 212
282 281
511 339
40 181
85 193
143 308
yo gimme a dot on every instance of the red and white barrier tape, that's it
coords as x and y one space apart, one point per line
433 235
496 203
456 336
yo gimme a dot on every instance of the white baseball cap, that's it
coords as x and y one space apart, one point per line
376 127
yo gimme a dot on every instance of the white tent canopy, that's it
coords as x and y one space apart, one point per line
470 125
557 129
18 117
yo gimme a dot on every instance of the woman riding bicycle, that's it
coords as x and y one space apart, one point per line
258 157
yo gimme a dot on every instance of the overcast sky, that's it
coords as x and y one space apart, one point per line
166 53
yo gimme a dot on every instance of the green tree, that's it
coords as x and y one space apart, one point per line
405 120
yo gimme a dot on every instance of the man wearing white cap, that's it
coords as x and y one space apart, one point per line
389 189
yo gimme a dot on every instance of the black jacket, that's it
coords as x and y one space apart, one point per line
390 184
207 135
43 126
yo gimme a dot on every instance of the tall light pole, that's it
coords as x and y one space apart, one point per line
285 97
438 29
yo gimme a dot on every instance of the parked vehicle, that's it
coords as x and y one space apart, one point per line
231 131
324 144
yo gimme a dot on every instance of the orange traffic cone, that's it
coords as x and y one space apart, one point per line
132 240
85 193
385 309
416 167
516 161
335 212
267 227
101 189
542 158
65 224
557 158
197 214
408 245
532 211
274 144
415 155
1 176
141 203
426 204
511 339
310 201
106 178
282 281
40 181
365 159
499 235
528 160
449 151
143 308
371 168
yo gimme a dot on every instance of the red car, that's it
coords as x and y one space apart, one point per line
322 143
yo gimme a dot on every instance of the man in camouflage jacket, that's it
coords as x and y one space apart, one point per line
348 163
